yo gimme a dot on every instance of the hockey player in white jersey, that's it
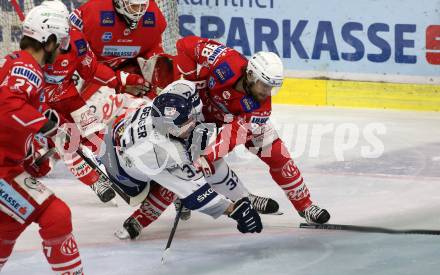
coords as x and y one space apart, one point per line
147 148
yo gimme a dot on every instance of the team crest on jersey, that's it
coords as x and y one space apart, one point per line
249 104
223 72
107 18
64 63
81 47
226 95
149 19
32 77
107 36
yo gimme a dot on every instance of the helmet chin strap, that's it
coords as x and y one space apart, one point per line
49 57
247 87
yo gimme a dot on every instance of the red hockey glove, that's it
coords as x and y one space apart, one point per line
36 166
205 166
50 127
133 84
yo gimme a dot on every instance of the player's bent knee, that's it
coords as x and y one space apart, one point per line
56 220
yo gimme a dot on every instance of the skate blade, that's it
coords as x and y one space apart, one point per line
121 234
111 203
278 213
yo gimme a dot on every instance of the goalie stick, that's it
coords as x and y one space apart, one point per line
173 231
368 229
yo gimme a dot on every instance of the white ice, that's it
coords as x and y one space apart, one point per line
399 189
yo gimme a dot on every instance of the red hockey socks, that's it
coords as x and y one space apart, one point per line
59 245
6 247
152 207
286 174
63 255
80 169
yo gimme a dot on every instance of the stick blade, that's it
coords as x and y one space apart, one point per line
164 255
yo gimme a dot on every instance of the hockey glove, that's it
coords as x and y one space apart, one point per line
247 218
36 166
50 128
132 83
205 166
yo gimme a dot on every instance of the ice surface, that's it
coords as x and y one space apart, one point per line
400 189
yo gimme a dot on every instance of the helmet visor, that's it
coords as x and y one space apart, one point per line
184 130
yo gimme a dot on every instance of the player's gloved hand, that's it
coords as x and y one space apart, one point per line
50 128
36 166
205 166
246 216
133 84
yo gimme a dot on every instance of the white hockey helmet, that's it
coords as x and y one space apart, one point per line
49 18
131 10
266 67
188 90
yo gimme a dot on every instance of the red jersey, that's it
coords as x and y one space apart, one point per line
21 79
58 76
110 38
216 70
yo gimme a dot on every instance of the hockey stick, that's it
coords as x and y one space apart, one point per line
17 9
368 229
173 231
95 167
45 156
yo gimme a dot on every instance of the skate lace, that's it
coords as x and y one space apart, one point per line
312 213
100 187
259 203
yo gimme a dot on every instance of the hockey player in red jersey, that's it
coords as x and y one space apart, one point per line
90 115
237 96
62 95
23 199
119 31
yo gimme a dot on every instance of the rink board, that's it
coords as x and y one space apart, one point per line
317 92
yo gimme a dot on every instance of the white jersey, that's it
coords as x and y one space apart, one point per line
143 154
